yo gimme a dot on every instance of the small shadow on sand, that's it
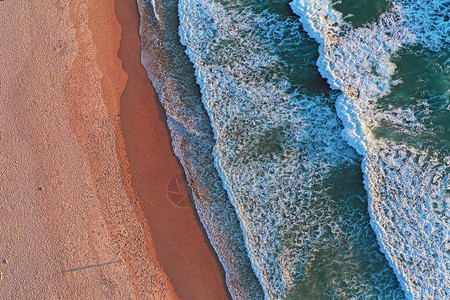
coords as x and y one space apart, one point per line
93 266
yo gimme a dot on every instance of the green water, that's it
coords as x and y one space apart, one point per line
328 229
425 90
339 252
360 12
345 261
296 59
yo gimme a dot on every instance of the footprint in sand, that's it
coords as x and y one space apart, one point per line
177 191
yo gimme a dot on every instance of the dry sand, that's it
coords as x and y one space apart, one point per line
85 163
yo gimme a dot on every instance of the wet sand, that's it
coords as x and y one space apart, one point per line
88 178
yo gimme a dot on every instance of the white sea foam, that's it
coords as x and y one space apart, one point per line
356 62
410 209
404 182
192 140
430 22
403 120
274 151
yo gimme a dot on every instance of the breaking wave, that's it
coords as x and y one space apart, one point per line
294 182
405 173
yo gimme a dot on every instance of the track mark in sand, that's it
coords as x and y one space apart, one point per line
177 191
93 266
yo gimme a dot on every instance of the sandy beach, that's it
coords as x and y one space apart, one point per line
92 199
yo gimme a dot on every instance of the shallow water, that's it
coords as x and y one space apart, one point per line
413 134
173 77
271 151
397 118
424 94
361 12
280 154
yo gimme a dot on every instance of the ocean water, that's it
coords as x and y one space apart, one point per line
394 78
315 137
280 154
173 77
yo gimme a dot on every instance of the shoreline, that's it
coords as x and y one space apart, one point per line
86 176
187 241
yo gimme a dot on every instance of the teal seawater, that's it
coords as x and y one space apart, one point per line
413 125
424 93
291 209
295 184
393 75
361 12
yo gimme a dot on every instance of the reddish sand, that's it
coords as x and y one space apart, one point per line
86 164
181 245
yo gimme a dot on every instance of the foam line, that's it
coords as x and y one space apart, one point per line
357 62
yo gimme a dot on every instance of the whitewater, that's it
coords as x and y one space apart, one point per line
407 182
317 156
280 155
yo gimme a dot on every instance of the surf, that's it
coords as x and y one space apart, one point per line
403 176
